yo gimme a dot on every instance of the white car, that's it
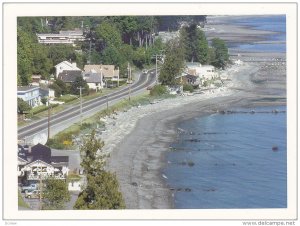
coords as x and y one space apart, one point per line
35 194
145 71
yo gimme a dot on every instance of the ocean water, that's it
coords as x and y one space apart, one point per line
228 161
276 42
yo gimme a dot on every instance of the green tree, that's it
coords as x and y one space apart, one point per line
25 56
23 106
173 63
57 89
63 87
220 53
101 193
107 35
55 194
102 187
92 163
194 43
79 82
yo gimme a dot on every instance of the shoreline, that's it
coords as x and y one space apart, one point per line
137 148
138 140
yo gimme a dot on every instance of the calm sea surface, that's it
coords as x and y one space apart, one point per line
275 43
228 161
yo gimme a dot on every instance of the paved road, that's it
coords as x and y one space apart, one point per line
72 114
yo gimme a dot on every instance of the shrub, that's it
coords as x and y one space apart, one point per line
188 87
158 90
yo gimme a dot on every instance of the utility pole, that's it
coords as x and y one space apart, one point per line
129 80
106 102
41 187
156 56
118 76
49 111
80 93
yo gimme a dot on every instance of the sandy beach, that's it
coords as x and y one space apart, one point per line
138 139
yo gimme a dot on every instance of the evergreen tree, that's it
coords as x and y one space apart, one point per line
173 64
220 53
194 43
102 187
79 82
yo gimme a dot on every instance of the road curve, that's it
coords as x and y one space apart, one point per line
144 81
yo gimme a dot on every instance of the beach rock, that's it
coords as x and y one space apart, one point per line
134 184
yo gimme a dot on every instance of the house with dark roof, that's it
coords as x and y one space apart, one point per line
37 163
94 80
69 76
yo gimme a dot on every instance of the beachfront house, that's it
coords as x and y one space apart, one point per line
203 72
30 94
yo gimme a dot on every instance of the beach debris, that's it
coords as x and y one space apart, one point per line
193 140
209 189
172 148
134 184
181 189
275 148
189 163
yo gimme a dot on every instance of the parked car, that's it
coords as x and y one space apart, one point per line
35 194
28 188
145 71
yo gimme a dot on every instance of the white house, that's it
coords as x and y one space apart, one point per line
37 163
204 72
65 66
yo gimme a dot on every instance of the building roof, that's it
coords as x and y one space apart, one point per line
92 77
71 66
108 71
36 76
69 76
41 152
72 32
27 88
60 160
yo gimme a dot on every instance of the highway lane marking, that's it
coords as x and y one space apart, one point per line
136 89
87 103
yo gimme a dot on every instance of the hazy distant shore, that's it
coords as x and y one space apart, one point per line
137 140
